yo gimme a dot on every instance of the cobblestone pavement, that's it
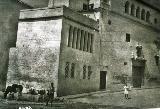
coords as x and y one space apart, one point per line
147 98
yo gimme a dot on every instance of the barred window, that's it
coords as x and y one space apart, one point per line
84 72
89 72
80 39
67 70
72 70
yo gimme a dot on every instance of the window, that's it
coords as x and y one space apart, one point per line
72 70
67 70
155 21
85 41
88 42
91 46
148 17
84 72
127 37
85 7
157 59
143 14
132 10
138 12
74 38
89 72
80 39
109 22
70 37
127 7
125 63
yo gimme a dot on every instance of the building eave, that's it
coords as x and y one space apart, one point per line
24 4
152 6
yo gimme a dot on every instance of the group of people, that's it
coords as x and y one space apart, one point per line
15 88
11 90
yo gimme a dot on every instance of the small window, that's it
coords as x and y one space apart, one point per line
70 37
67 70
132 10
89 72
155 21
72 70
85 7
128 37
127 5
143 14
91 46
84 72
109 22
125 63
138 12
148 16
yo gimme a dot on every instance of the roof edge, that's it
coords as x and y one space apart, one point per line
27 5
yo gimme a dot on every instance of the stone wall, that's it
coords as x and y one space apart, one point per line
35 60
77 84
118 6
117 52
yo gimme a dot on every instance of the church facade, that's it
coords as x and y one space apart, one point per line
86 46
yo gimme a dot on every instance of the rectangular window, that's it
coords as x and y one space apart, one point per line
85 41
74 38
70 37
91 46
82 40
72 70
128 37
85 7
89 72
78 39
67 70
84 72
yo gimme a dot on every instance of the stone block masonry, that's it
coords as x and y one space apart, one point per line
38 58
34 62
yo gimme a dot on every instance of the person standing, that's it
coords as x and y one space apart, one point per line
126 91
50 94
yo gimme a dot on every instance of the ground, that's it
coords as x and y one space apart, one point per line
147 98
